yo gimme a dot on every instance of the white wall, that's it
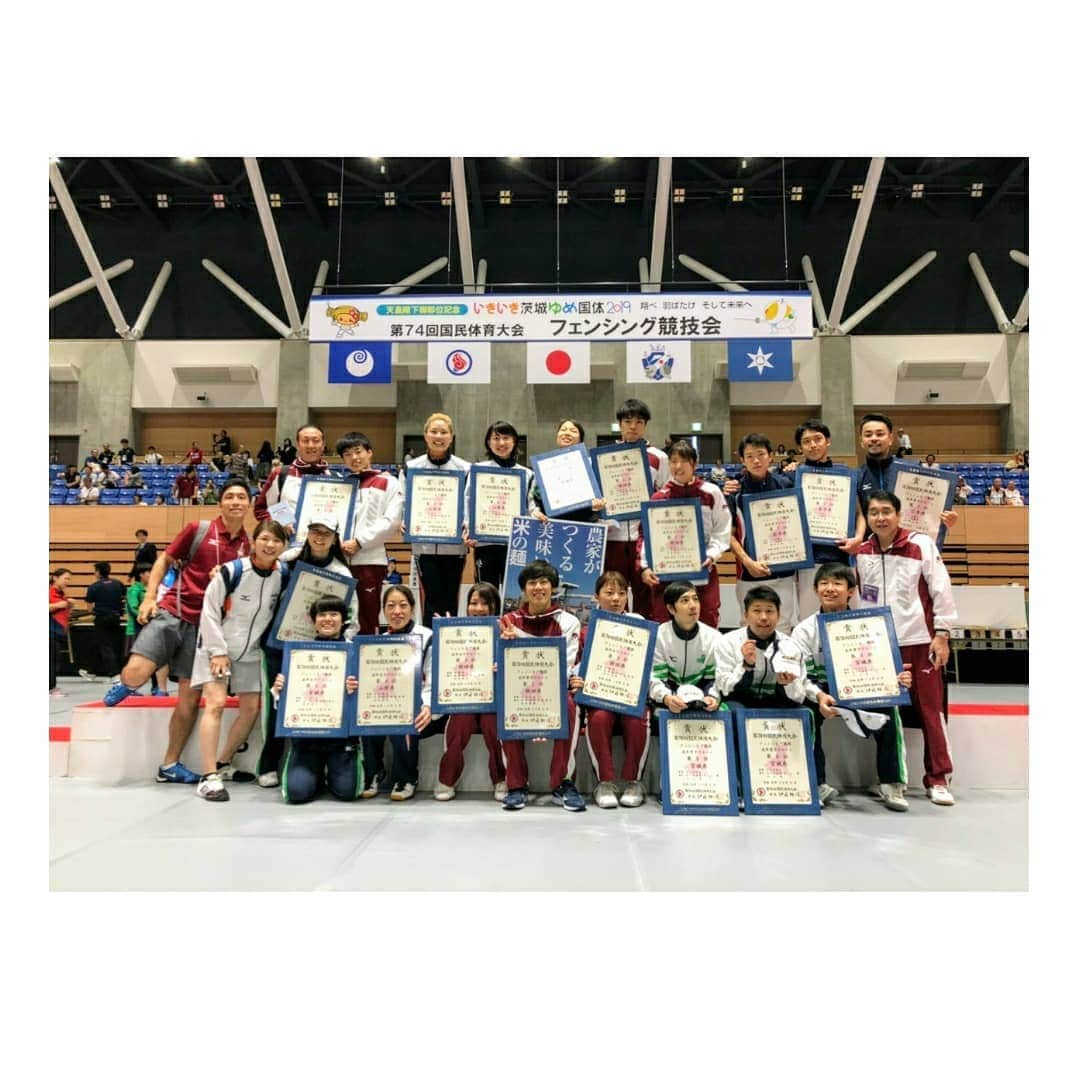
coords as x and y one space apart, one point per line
875 361
324 395
805 389
155 386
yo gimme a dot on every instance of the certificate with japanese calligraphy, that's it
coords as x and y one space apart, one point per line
697 766
306 585
531 689
829 500
776 532
388 697
617 663
566 479
674 538
924 495
434 505
862 658
624 477
325 497
312 704
462 663
496 497
777 770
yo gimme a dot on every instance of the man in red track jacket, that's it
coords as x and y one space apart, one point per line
283 483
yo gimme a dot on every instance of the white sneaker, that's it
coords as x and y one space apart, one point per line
893 796
605 795
86 675
372 788
826 793
500 791
212 789
633 794
444 793
940 795
269 779
401 792
57 692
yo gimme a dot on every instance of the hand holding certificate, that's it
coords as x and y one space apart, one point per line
776 531
617 663
434 506
924 494
565 478
496 497
625 479
674 539
388 698
313 702
531 688
327 497
862 659
462 665
829 500
306 585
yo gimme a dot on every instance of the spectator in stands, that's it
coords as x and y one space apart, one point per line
110 479
139 500
995 494
94 471
105 454
194 456
1016 461
159 500
92 457
59 614
72 479
265 460
392 575
1026 459
134 479
126 455
209 493
249 467
106 598
904 440
287 452
223 446
185 486
283 485
237 461
1012 494
963 491
930 462
89 492
152 457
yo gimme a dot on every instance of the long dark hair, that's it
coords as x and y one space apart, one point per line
502 427
335 552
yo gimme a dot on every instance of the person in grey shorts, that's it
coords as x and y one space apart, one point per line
238 608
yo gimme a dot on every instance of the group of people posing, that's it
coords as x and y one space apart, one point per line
210 626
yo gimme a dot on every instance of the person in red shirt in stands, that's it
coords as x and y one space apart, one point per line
185 486
194 456
59 614
170 629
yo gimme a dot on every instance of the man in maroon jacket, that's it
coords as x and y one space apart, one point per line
283 483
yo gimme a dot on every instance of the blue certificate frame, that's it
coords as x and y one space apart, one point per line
621 448
754 806
365 641
552 506
948 475
346 527
836 470
439 627
338 730
885 701
583 697
749 543
702 576
667 719
450 538
556 645
298 568
522 508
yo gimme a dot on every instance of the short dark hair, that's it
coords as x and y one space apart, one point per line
875 417
812 425
683 449
328 602
58 571
580 427
102 569
835 571
488 593
274 528
633 409
763 594
234 481
350 441
304 427
141 532
142 568
755 438
404 590
886 496
536 570
612 577
502 427
677 589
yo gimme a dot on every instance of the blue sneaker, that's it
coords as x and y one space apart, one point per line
515 798
157 692
176 774
568 797
117 692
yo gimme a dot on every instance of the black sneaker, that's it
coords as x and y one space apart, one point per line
516 798
228 771
568 797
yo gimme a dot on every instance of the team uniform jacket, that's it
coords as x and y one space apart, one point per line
680 659
911 579
627 531
232 623
807 635
735 679
715 516
550 623
874 475
289 491
750 486
454 464
376 516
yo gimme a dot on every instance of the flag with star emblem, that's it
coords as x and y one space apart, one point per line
768 360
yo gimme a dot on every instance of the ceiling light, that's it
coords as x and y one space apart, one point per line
188 160
680 195
796 193
106 202
54 161
275 200
447 198
389 198
917 191
219 200
737 194
743 163
505 196
162 200
52 202
620 194
977 190
331 198
562 197
856 191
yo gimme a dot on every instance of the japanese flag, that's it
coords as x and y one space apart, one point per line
468 362
557 362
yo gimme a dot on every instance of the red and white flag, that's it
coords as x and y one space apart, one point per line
468 362
557 362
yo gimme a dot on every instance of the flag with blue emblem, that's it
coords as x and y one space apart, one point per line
658 362
768 360
359 362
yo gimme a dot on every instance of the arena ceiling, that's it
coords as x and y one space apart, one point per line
538 222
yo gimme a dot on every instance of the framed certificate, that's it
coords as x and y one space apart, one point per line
829 498
462 661
617 663
776 532
697 762
496 497
924 494
324 495
625 479
566 479
434 506
674 539
862 658
777 758
530 689
306 585
313 704
388 698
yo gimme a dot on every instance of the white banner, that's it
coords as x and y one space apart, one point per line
557 362
658 362
647 317
469 362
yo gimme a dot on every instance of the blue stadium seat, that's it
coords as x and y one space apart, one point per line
57 499
72 498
